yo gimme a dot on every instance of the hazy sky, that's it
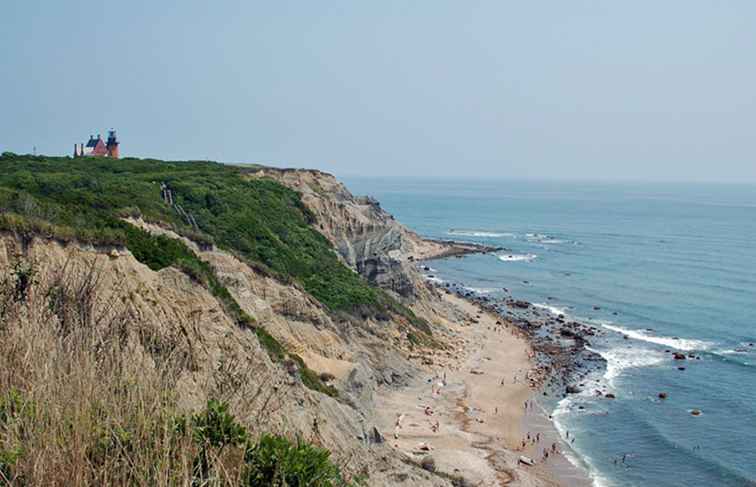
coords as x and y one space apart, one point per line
654 89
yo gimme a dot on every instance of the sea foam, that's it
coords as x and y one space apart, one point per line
551 309
517 257
479 233
625 357
671 342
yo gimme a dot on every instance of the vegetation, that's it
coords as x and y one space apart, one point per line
78 406
258 219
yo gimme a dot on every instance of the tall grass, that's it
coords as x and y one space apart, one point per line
89 394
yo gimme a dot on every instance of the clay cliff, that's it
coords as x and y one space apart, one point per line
315 377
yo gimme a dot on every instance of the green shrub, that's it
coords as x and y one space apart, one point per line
216 427
275 461
213 430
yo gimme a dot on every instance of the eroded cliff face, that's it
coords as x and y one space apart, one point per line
359 355
178 314
368 238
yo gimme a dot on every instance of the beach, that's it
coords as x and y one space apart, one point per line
476 417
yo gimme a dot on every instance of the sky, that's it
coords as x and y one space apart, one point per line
601 90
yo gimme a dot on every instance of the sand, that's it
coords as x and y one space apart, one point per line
479 409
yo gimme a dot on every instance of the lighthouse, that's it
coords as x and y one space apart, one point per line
112 144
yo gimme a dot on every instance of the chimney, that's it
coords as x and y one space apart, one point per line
76 150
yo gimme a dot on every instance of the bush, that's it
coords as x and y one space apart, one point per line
274 461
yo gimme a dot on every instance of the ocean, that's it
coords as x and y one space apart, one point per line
661 268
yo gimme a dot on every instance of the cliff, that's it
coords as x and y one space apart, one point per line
367 237
276 292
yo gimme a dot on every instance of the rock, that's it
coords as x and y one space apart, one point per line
571 389
375 436
695 412
681 368
610 396
526 460
428 463
662 395
678 356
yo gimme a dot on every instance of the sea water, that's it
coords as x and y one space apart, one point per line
660 268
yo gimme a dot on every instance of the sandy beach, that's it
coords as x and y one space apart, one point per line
473 417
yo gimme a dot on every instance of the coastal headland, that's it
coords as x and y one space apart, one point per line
301 310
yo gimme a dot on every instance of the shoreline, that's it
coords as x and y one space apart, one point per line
469 416
557 358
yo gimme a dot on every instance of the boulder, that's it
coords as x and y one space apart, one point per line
428 463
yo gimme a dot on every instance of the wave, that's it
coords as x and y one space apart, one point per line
543 239
478 233
517 257
621 358
434 279
685 344
551 309
481 290
743 357
578 459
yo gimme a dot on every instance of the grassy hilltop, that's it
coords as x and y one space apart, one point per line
73 398
259 220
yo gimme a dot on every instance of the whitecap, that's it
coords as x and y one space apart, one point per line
434 279
517 257
671 342
480 290
551 309
621 358
478 233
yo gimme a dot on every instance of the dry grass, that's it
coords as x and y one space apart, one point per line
88 394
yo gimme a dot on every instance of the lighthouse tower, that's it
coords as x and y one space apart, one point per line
112 144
